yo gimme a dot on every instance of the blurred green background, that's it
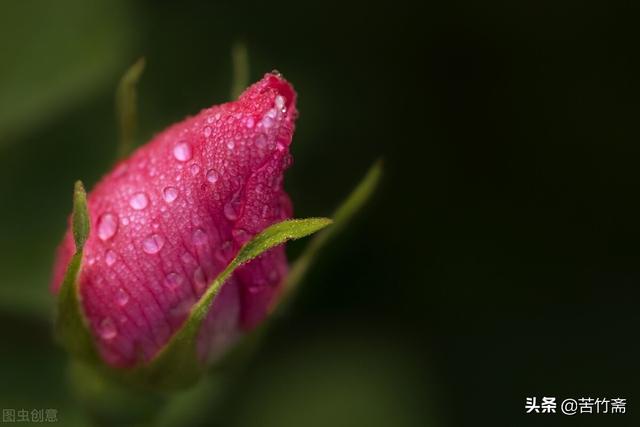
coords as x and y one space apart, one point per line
499 260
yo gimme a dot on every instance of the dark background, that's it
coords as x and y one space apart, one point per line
499 260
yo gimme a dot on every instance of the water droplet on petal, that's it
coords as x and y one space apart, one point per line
241 236
267 122
199 280
153 244
169 194
250 122
194 169
173 281
110 258
188 259
125 221
225 252
122 298
230 211
280 103
230 145
182 152
199 237
261 141
139 201
207 132
212 176
107 226
108 329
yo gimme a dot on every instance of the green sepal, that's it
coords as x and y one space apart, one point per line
343 214
70 325
127 107
240 69
80 216
177 365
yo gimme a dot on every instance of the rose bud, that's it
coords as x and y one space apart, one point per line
167 220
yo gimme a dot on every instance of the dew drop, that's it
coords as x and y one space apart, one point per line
265 211
153 244
110 258
194 169
107 226
139 201
169 194
108 329
241 236
125 221
261 141
230 145
267 122
173 281
225 251
199 237
122 298
207 132
250 122
188 259
199 280
230 211
280 103
212 176
182 152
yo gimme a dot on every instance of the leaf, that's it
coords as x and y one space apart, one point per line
71 327
127 107
240 69
177 366
345 212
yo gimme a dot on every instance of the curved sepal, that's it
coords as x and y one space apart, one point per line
70 325
343 214
177 365
127 107
240 69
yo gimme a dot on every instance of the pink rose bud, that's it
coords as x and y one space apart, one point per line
166 221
